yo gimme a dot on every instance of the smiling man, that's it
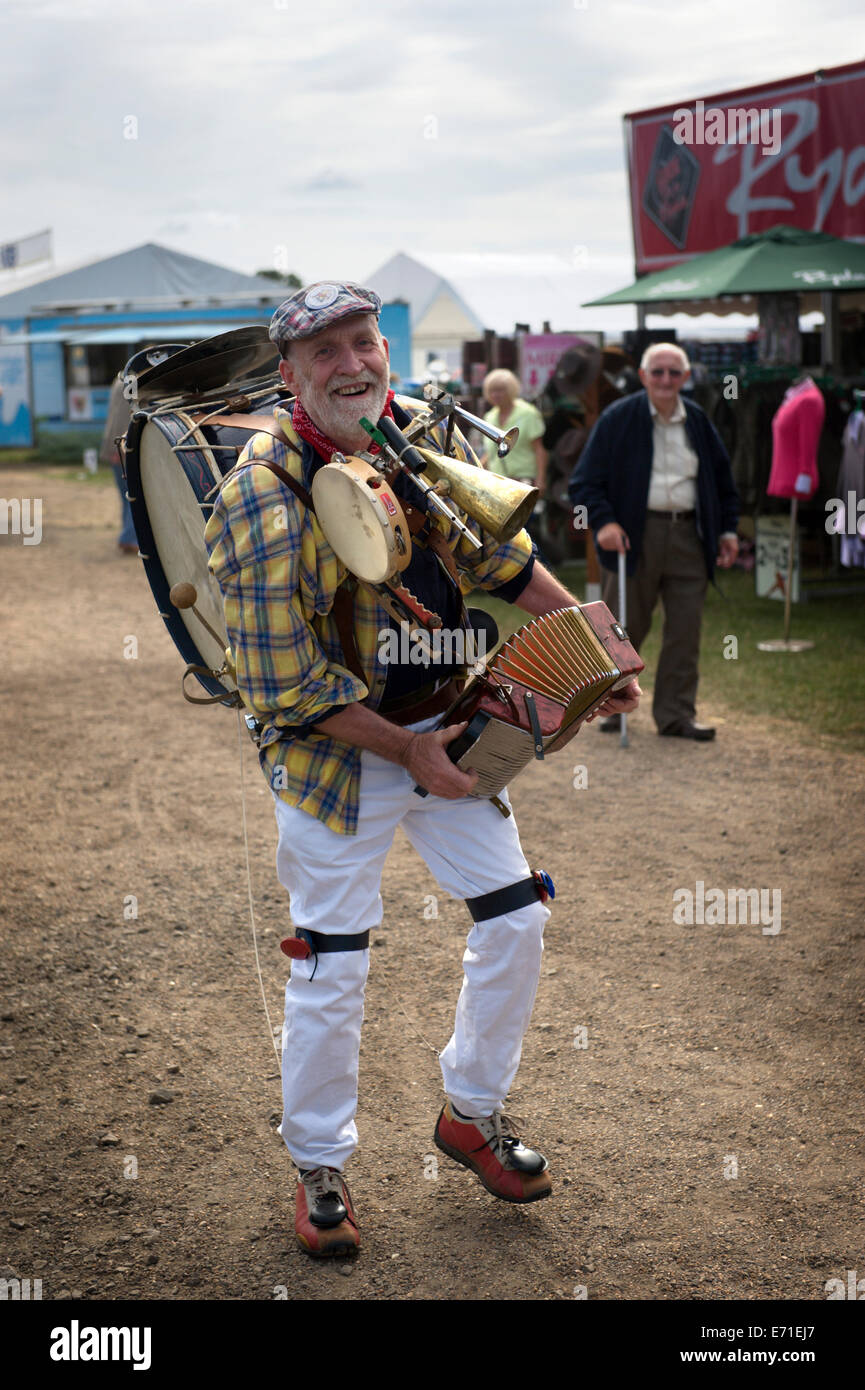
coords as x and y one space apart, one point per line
344 742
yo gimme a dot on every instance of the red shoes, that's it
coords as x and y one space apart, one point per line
490 1149
324 1220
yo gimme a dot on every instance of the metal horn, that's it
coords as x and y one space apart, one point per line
504 439
502 506
444 406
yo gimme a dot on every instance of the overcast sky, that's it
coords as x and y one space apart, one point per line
331 133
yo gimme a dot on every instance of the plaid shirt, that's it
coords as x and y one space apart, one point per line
278 577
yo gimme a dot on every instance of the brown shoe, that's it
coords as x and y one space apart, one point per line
324 1221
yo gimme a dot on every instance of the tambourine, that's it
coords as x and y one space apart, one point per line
362 519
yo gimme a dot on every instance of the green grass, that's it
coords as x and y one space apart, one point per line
822 689
66 472
103 477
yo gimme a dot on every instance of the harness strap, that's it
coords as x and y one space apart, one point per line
285 477
343 603
343 616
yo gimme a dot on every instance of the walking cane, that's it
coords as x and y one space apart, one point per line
623 616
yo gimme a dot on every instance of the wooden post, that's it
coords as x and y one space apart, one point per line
788 597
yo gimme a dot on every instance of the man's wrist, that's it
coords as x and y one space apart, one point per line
405 750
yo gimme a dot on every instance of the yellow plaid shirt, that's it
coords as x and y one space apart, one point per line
278 577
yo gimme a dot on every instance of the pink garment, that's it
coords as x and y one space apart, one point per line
795 437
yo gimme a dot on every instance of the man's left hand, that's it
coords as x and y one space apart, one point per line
623 702
728 549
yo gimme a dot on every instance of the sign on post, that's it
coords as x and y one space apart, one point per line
773 559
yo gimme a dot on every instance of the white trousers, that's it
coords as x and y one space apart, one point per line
334 884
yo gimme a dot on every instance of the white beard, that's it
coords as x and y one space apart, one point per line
339 416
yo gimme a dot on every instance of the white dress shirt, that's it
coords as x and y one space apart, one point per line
673 485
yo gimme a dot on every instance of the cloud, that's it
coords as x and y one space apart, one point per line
345 132
329 181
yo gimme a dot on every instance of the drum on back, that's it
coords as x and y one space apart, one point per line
175 462
199 406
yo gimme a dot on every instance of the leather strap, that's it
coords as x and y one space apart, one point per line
439 546
502 900
343 603
322 943
343 614
297 488
436 703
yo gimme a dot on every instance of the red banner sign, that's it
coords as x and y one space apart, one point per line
705 173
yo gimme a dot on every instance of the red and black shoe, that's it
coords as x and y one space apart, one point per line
491 1149
324 1220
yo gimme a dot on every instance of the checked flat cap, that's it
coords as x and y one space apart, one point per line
318 306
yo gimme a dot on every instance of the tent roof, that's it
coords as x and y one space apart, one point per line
417 283
136 278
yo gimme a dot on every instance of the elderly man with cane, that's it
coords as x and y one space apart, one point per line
656 481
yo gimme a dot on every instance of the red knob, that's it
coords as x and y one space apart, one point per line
296 947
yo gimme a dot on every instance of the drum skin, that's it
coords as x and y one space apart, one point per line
171 496
362 518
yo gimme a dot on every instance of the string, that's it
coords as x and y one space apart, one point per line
249 892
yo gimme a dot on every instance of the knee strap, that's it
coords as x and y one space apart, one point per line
536 888
316 943
321 943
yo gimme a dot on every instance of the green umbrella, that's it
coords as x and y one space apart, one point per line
781 260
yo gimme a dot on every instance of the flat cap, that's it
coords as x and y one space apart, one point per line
318 306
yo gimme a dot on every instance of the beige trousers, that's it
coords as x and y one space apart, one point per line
671 566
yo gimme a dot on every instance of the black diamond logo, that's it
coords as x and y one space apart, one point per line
671 187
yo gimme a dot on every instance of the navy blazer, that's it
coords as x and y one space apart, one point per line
612 475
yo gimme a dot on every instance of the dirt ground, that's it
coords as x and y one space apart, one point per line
140 1090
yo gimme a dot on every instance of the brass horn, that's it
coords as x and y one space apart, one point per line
502 506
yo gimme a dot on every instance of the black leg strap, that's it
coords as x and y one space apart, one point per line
508 899
320 942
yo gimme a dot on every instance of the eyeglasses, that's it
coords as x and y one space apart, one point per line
657 372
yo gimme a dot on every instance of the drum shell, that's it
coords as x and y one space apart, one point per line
162 480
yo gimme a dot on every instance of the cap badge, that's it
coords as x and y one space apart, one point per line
321 296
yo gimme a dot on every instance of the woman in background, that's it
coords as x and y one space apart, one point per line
527 460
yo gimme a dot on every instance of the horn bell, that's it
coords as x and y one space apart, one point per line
502 506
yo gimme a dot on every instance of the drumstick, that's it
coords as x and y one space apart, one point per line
184 595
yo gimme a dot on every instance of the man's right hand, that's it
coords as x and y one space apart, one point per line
612 537
428 763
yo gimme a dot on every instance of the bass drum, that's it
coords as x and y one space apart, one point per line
174 462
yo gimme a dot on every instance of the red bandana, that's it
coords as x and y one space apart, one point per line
309 431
